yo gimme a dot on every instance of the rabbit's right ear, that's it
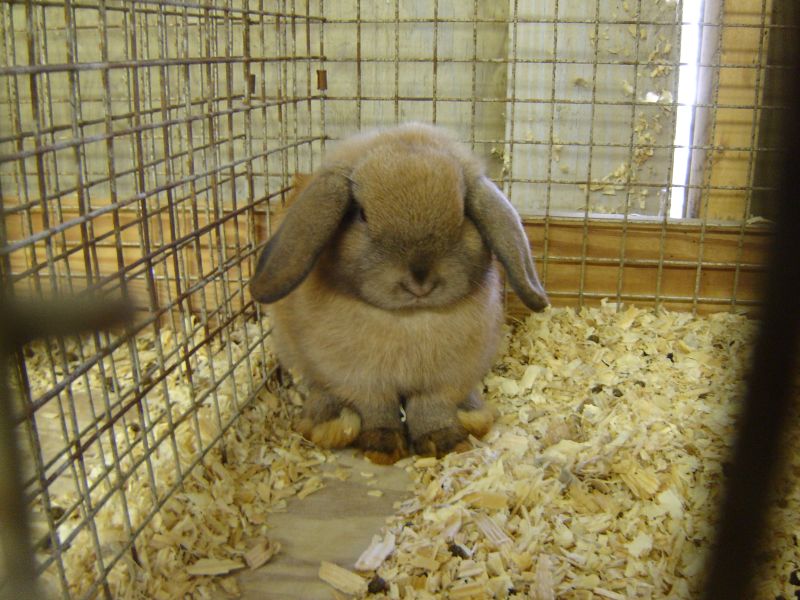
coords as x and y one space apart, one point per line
309 224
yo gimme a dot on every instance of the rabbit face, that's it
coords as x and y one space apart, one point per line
406 244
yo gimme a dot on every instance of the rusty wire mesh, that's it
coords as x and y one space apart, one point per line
142 143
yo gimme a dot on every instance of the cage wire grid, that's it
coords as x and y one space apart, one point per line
143 144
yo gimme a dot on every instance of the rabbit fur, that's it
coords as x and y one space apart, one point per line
384 293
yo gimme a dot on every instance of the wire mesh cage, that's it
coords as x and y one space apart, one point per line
145 147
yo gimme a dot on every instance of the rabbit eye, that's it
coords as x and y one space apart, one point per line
357 209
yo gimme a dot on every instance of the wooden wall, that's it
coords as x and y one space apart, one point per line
685 267
734 127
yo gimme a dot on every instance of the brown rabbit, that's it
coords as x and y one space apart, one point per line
386 296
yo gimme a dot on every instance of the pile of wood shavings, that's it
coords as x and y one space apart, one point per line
600 479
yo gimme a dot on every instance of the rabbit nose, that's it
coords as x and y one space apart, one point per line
420 272
421 282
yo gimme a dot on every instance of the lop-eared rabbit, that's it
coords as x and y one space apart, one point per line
384 293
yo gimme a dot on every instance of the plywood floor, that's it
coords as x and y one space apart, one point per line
334 524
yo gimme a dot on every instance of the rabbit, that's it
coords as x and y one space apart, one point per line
385 296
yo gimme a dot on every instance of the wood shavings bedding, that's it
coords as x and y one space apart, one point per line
216 523
598 481
602 476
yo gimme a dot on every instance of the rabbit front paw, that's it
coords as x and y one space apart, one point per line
327 423
438 424
442 441
383 445
475 416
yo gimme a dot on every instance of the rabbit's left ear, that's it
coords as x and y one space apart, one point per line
310 222
501 229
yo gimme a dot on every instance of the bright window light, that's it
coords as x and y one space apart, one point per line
687 96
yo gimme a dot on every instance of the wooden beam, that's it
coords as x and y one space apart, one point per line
744 48
678 266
